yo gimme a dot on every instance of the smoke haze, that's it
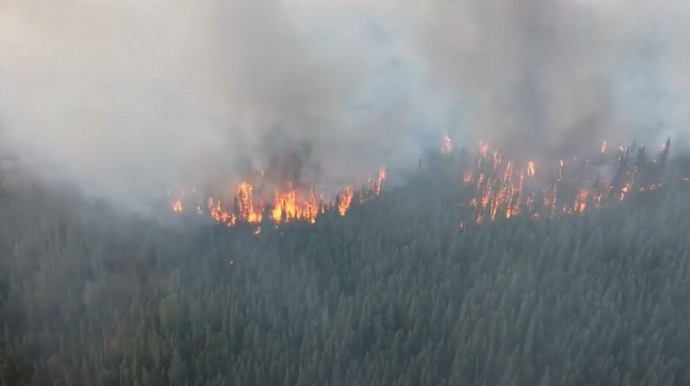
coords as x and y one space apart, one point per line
126 98
560 75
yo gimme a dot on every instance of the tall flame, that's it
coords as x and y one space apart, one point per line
345 201
252 206
501 192
502 189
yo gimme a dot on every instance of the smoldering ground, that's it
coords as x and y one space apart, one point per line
126 98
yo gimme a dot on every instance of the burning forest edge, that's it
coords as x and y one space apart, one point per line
285 204
493 188
604 263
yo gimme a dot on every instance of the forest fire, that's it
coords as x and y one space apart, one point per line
500 188
345 201
503 190
253 206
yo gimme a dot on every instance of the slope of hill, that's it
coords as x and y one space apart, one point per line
400 291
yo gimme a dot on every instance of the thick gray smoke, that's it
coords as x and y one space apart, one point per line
130 97
126 98
557 75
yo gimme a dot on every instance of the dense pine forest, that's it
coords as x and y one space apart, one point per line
406 289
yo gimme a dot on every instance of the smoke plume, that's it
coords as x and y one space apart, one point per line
554 76
126 98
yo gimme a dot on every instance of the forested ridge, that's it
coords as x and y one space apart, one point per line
394 293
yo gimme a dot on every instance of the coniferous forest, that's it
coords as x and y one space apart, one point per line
394 293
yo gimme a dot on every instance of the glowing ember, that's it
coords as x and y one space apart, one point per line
177 206
447 146
580 204
379 181
483 149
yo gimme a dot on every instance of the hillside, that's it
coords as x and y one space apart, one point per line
406 289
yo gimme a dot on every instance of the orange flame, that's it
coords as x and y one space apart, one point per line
345 201
580 204
624 191
501 192
286 207
251 206
245 200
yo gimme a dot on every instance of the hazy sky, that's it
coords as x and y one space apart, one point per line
128 97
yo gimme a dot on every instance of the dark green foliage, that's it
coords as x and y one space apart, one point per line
392 294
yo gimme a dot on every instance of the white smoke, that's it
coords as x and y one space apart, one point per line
126 98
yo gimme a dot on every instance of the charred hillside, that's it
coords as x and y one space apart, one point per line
445 280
